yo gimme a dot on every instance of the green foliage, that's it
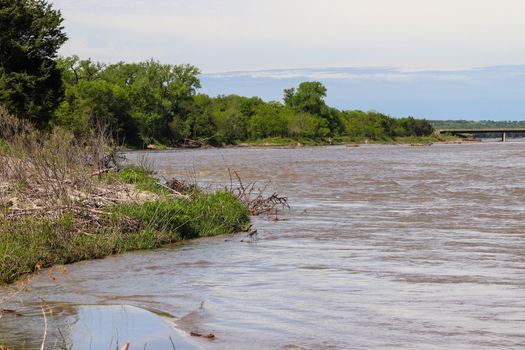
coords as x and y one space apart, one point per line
307 98
377 126
412 127
30 36
217 213
266 120
151 103
139 103
306 125
29 244
201 216
199 122
166 216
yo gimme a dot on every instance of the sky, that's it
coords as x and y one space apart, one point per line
428 58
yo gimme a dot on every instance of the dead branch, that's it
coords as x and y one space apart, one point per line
255 198
181 186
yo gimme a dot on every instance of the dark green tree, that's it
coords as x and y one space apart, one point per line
31 33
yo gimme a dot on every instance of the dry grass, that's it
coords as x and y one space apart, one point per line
48 174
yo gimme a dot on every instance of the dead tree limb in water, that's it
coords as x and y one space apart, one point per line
255 198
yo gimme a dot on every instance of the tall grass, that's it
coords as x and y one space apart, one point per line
28 244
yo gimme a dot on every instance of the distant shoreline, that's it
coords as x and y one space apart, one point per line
281 143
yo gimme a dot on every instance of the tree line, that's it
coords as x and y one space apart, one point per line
153 103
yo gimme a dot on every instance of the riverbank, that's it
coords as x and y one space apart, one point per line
278 142
284 142
64 200
139 214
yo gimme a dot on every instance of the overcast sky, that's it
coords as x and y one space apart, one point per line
225 35
246 35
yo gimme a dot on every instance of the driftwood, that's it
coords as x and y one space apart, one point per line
103 171
255 198
181 186
9 312
207 336
189 143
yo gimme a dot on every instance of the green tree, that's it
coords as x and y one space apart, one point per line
31 33
149 101
199 123
162 97
267 121
307 98
305 124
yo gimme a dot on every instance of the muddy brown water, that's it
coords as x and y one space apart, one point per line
385 247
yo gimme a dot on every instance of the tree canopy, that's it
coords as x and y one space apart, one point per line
30 36
140 103
307 98
152 103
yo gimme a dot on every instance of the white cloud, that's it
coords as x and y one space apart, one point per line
223 35
352 74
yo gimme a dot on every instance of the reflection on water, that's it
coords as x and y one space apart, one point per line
385 247
96 324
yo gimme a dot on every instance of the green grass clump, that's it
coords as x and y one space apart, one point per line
217 213
29 244
165 216
4 146
141 178
202 216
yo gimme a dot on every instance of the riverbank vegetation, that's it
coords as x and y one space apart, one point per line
64 200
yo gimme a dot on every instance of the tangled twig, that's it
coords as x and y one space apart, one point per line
255 198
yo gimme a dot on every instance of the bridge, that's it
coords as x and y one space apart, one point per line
464 132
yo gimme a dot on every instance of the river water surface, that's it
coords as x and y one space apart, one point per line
385 247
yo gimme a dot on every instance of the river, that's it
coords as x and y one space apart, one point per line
385 247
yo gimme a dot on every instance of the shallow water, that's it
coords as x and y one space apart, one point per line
385 247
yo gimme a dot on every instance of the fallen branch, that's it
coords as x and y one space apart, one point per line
103 171
255 198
